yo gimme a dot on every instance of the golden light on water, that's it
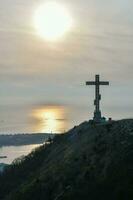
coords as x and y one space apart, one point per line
52 21
50 119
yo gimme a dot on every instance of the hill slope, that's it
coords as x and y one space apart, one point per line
89 162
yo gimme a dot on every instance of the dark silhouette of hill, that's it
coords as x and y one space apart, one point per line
89 162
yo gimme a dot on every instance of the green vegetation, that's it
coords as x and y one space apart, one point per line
89 162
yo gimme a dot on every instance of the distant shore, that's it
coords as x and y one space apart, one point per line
24 139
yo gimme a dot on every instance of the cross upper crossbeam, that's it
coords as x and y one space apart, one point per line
95 83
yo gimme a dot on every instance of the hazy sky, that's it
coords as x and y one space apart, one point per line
36 72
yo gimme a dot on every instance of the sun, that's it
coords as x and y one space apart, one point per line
52 21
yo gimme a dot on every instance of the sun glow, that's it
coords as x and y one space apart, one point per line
52 21
50 119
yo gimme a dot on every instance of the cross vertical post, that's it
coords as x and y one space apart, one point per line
97 83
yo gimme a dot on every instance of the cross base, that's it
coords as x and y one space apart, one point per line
97 116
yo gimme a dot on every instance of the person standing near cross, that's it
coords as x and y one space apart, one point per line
97 113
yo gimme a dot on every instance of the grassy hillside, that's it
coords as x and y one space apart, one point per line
89 162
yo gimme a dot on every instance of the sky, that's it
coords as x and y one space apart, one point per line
36 74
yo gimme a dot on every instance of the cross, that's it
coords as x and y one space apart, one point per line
97 83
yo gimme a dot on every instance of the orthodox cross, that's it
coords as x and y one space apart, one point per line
97 83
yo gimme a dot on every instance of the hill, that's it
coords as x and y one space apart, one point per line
89 162
2 166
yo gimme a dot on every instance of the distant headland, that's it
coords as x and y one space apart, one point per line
24 139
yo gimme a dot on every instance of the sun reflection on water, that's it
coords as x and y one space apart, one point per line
50 119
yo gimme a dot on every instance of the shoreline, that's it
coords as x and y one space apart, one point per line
24 139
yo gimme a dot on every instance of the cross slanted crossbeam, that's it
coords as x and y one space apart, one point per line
97 83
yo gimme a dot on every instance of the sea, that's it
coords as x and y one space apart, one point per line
13 152
46 119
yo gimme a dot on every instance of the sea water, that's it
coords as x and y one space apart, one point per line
13 152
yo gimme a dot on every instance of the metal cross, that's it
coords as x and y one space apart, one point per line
97 83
